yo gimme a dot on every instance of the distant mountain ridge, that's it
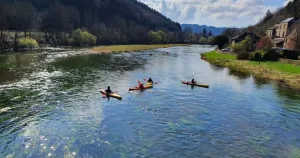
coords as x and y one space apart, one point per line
199 28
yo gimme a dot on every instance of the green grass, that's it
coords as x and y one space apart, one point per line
282 67
214 55
131 48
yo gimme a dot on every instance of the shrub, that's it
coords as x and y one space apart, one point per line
265 44
271 56
242 46
243 56
154 37
27 43
220 41
257 56
289 54
264 56
83 38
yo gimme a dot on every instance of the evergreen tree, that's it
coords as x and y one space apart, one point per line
204 33
209 34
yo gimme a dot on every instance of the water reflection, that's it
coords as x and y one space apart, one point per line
216 68
56 109
240 75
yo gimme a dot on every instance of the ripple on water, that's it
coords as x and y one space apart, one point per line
57 110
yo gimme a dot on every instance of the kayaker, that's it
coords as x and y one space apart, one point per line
108 91
150 80
193 81
141 86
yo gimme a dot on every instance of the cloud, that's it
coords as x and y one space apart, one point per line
237 13
286 2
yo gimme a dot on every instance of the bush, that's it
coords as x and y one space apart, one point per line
83 38
289 54
271 56
154 37
27 43
242 46
264 56
243 56
257 56
265 44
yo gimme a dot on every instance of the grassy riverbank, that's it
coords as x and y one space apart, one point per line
284 74
130 48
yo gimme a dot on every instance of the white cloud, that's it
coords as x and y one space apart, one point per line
286 2
237 13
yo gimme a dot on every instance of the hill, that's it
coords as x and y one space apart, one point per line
270 19
199 28
112 21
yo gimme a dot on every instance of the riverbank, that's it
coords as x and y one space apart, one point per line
130 48
284 74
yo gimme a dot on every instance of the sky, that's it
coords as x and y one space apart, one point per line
219 13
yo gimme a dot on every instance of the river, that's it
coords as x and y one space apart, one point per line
50 105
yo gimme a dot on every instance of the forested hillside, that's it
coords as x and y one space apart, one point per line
270 19
111 21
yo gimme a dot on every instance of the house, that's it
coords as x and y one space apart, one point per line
243 35
279 32
271 32
293 37
278 42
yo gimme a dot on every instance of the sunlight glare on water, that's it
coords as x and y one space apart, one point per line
50 106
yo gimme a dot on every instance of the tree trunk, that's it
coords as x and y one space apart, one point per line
15 41
1 36
25 32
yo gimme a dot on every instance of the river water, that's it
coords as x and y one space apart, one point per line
50 105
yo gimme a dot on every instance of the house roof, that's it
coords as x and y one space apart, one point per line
243 35
277 40
288 20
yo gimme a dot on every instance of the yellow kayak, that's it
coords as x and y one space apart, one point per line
196 84
148 86
113 95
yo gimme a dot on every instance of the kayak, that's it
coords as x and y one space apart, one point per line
113 95
148 86
149 83
196 84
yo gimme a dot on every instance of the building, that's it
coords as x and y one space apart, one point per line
280 31
243 35
271 32
293 37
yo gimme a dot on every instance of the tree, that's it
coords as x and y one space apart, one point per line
3 24
231 32
164 37
265 44
191 38
220 41
154 37
204 32
203 40
268 16
83 38
209 34
243 46
210 40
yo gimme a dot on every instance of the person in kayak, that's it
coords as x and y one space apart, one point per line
108 91
150 80
193 81
141 86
